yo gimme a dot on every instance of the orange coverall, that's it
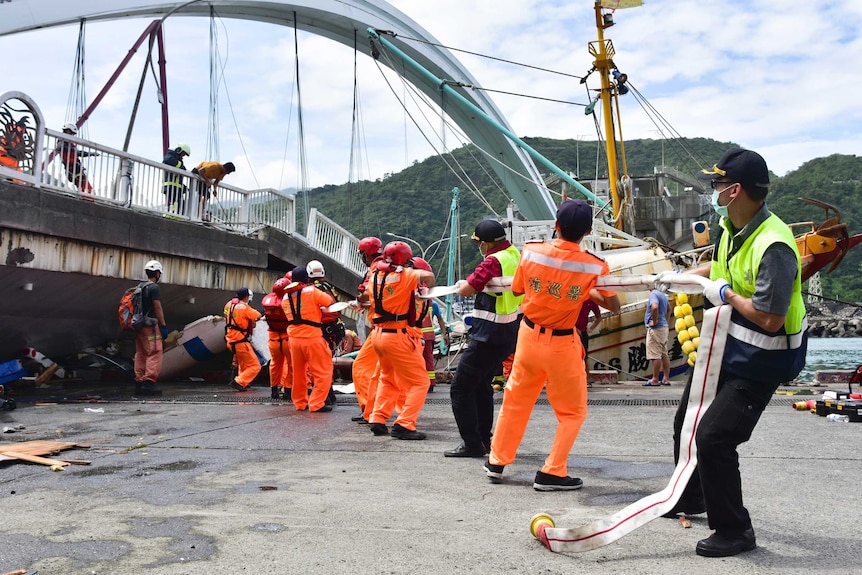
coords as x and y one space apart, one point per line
549 350
366 369
309 352
399 350
280 365
241 318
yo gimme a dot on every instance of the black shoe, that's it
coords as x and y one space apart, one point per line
399 432
359 419
464 451
236 386
274 393
686 508
147 388
494 472
548 482
285 396
324 409
726 545
378 429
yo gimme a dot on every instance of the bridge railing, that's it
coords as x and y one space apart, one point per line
65 164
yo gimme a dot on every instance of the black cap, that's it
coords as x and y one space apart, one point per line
300 274
489 231
242 293
575 218
740 166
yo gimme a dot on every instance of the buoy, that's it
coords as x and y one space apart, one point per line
686 327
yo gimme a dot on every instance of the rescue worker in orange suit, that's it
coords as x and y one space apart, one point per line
303 306
492 339
556 278
402 369
211 173
148 339
428 311
280 372
241 319
366 370
333 327
71 158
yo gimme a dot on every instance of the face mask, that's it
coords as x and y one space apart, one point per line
720 210
479 247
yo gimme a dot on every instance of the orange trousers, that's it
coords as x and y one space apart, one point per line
542 358
280 370
310 355
402 376
246 361
148 354
365 372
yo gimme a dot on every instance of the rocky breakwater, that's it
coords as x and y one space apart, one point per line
833 319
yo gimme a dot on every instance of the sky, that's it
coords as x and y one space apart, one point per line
777 76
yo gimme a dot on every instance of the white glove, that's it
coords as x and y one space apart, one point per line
665 278
714 292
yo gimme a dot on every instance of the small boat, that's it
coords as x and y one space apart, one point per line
198 342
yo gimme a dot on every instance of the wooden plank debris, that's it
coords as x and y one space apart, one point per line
33 451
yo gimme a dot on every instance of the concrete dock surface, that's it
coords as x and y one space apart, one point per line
207 481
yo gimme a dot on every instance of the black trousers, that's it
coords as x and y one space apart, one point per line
472 393
727 424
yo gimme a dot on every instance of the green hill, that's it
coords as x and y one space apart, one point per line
415 202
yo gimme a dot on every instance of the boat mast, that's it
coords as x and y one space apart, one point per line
603 52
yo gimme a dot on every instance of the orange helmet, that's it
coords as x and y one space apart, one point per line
421 264
279 286
397 253
370 246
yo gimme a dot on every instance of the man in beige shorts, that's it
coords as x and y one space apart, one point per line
655 319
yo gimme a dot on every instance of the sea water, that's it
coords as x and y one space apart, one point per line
831 353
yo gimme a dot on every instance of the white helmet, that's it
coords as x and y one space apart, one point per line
153 266
250 295
315 269
184 148
71 127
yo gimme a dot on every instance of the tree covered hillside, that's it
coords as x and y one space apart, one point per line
416 201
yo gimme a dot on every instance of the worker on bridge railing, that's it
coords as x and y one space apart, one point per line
211 173
174 187
71 156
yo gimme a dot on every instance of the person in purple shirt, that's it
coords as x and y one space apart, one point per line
584 325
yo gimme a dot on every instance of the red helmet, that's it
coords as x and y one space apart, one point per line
370 246
421 264
397 253
289 276
279 286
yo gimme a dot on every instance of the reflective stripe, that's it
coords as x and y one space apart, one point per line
767 342
559 263
428 329
493 317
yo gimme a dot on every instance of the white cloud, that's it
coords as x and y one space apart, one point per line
775 75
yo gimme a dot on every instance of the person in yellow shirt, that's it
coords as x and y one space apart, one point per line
241 319
211 173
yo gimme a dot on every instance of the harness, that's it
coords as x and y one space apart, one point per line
383 314
232 325
296 312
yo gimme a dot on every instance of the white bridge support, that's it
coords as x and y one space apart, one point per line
337 20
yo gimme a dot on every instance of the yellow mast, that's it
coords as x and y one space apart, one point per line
603 52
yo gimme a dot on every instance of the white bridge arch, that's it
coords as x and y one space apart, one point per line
337 20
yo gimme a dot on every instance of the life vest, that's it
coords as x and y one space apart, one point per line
495 312
276 319
751 352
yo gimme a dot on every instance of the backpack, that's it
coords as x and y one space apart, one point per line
131 309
